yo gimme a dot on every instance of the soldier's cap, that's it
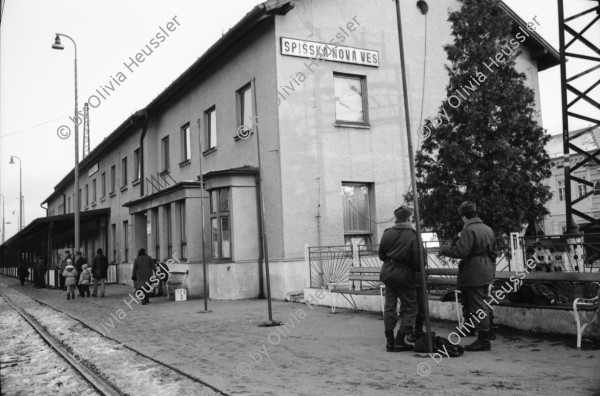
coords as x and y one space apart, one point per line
403 212
467 207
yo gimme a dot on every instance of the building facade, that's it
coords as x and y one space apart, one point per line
296 114
588 139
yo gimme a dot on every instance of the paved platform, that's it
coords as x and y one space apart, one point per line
320 353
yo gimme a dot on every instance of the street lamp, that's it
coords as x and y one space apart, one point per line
12 161
58 45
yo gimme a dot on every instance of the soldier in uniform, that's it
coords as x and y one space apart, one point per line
399 252
476 247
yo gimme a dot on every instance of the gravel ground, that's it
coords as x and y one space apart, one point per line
132 373
320 353
28 366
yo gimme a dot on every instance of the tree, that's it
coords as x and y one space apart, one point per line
485 144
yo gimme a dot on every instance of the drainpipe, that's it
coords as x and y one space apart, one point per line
46 209
134 121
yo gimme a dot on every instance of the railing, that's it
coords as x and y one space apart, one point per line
561 253
155 181
549 253
332 263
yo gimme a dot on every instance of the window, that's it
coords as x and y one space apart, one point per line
168 227
103 185
561 190
79 199
210 120
350 99
186 145
581 189
94 191
165 154
124 172
69 205
87 195
356 202
219 220
182 221
246 108
126 240
137 172
113 178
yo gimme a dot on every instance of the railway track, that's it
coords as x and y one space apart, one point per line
108 367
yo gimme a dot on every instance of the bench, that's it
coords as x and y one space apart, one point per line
175 281
580 308
359 275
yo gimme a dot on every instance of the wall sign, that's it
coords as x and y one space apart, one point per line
329 52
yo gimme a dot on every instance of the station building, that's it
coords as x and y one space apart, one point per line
315 88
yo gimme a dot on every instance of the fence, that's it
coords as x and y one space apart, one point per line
549 253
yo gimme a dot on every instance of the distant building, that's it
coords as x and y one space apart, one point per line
319 82
589 204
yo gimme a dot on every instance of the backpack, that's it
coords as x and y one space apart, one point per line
439 343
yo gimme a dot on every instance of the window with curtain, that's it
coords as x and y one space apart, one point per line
356 204
220 224
350 99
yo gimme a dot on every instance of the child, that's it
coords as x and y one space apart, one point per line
70 275
84 280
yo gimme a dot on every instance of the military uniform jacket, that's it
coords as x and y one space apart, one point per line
476 246
399 251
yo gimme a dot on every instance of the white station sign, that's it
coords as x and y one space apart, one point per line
329 52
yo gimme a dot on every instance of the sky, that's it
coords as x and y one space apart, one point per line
37 82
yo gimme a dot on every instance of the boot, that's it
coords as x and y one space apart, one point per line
400 342
414 335
482 343
390 346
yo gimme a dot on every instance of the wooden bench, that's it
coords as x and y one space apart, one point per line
580 308
357 275
175 281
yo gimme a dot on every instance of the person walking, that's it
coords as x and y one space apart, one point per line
143 270
71 276
100 272
476 247
85 278
79 262
22 272
399 252
41 271
62 265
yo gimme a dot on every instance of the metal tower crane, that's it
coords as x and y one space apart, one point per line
583 45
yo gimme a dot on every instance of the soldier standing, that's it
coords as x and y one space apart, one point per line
476 247
399 252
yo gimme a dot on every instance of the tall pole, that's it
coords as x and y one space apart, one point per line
263 222
76 121
414 180
204 271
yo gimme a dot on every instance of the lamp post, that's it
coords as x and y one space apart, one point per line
12 161
58 45
422 5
